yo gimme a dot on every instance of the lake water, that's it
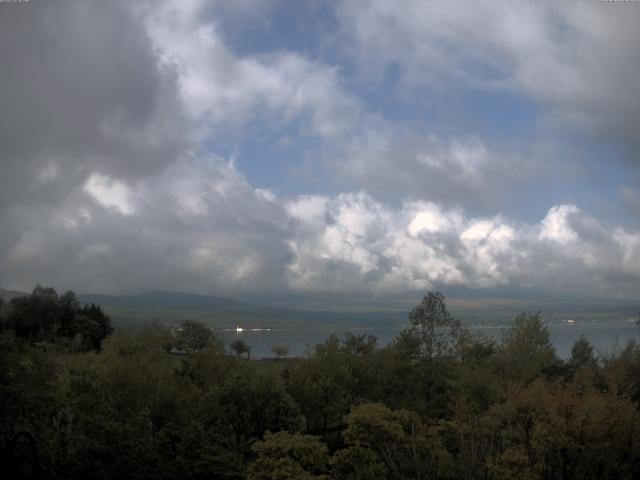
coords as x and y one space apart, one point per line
604 337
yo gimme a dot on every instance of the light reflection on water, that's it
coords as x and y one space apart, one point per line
605 338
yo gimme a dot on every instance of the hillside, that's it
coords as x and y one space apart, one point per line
474 306
175 306
7 295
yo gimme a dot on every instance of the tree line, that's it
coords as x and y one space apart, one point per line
438 402
45 317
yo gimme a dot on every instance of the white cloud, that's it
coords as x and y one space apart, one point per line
556 225
200 226
429 218
225 91
110 193
422 244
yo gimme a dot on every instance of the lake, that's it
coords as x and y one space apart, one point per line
604 337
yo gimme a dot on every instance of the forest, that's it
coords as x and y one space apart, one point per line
79 400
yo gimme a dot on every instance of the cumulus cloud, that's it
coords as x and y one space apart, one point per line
200 226
224 91
197 226
104 108
352 242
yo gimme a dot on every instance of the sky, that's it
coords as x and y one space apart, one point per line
366 148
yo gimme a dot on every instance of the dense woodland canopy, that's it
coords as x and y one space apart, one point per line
439 402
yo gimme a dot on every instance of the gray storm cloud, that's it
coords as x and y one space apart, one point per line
82 92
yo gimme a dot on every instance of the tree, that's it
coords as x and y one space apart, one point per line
95 312
526 348
280 351
357 463
35 315
239 347
45 315
193 336
87 333
251 402
322 386
284 456
362 344
69 307
547 430
398 440
582 354
475 348
433 331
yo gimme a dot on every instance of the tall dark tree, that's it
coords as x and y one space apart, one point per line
193 336
69 307
45 315
96 313
239 347
35 315
433 332
582 354
526 348
360 344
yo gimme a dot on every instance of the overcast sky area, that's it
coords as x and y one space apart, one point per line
369 148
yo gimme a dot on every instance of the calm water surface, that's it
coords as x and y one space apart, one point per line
605 338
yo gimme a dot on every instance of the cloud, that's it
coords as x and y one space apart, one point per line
110 193
200 226
82 94
395 162
197 226
225 92
352 242
578 58
84 90
110 179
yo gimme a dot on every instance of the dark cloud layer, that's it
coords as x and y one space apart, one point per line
82 91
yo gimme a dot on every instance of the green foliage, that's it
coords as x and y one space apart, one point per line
582 354
433 331
623 371
322 386
362 344
548 431
526 349
252 402
397 440
239 347
45 316
284 456
194 336
438 403
357 463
